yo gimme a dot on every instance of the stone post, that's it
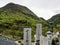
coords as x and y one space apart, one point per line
38 33
27 36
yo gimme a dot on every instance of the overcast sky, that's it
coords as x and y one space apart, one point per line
42 8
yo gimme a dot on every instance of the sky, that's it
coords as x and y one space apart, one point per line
42 8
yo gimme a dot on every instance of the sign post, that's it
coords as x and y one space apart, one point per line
38 33
27 36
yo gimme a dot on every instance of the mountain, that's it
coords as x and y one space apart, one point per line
56 22
14 18
55 19
19 8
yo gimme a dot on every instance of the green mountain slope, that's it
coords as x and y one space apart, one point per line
18 8
56 21
14 18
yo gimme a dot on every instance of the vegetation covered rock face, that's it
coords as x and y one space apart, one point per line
14 18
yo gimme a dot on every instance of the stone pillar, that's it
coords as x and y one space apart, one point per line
38 33
27 36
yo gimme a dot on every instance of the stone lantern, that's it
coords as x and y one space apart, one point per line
49 36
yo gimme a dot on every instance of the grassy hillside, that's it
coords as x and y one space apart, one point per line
56 21
14 18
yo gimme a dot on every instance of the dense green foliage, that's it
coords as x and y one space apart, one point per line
56 21
14 18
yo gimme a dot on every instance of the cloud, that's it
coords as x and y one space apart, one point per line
40 12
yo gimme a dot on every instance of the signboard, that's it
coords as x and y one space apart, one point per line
38 31
27 36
